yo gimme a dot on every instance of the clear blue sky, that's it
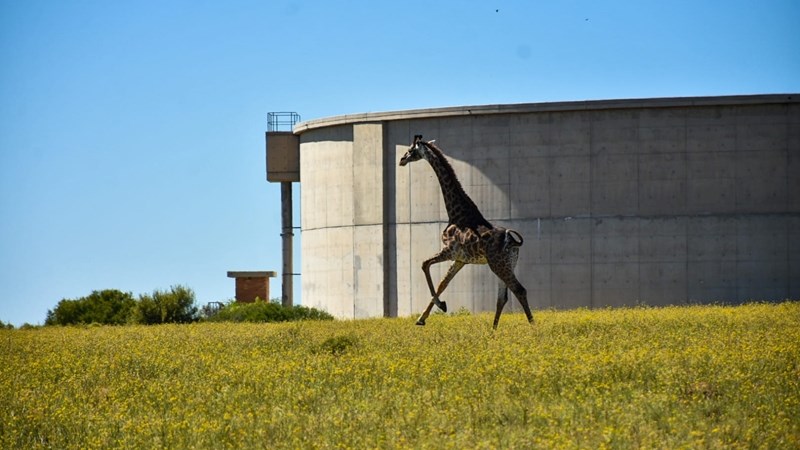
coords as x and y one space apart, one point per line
132 133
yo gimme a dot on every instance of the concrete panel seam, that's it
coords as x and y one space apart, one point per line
733 215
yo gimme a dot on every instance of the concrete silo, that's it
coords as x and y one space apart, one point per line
621 202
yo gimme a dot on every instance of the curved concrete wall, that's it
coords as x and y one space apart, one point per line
656 201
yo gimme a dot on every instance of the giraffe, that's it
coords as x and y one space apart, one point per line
468 238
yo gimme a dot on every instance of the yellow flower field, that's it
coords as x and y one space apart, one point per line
678 377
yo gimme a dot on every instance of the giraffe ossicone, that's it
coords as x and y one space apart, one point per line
468 238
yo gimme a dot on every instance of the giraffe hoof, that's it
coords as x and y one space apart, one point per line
421 323
443 306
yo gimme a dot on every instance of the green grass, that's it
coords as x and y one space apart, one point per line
707 377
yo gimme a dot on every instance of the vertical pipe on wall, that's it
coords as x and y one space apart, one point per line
287 235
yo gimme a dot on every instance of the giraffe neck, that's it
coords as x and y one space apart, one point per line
461 210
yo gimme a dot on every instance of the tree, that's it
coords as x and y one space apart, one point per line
173 306
110 307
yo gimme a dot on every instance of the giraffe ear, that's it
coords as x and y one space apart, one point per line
431 141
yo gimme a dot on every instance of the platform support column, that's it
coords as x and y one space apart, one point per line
287 234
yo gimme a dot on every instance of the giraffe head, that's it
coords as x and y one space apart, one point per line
417 151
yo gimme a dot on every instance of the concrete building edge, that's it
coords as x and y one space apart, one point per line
517 108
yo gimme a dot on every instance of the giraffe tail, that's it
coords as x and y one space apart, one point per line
513 239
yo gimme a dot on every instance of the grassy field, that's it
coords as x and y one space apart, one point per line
691 377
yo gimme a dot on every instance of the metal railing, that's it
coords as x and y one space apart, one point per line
212 308
282 121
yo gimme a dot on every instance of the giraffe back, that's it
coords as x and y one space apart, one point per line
481 244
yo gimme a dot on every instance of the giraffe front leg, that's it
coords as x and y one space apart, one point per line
425 314
451 272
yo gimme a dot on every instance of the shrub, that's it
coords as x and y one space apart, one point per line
4 325
262 311
110 306
175 306
339 345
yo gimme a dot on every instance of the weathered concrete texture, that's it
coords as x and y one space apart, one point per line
660 201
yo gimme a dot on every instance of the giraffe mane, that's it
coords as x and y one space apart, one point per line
445 162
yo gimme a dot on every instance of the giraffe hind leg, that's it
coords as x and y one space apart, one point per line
522 295
502 299
505 271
